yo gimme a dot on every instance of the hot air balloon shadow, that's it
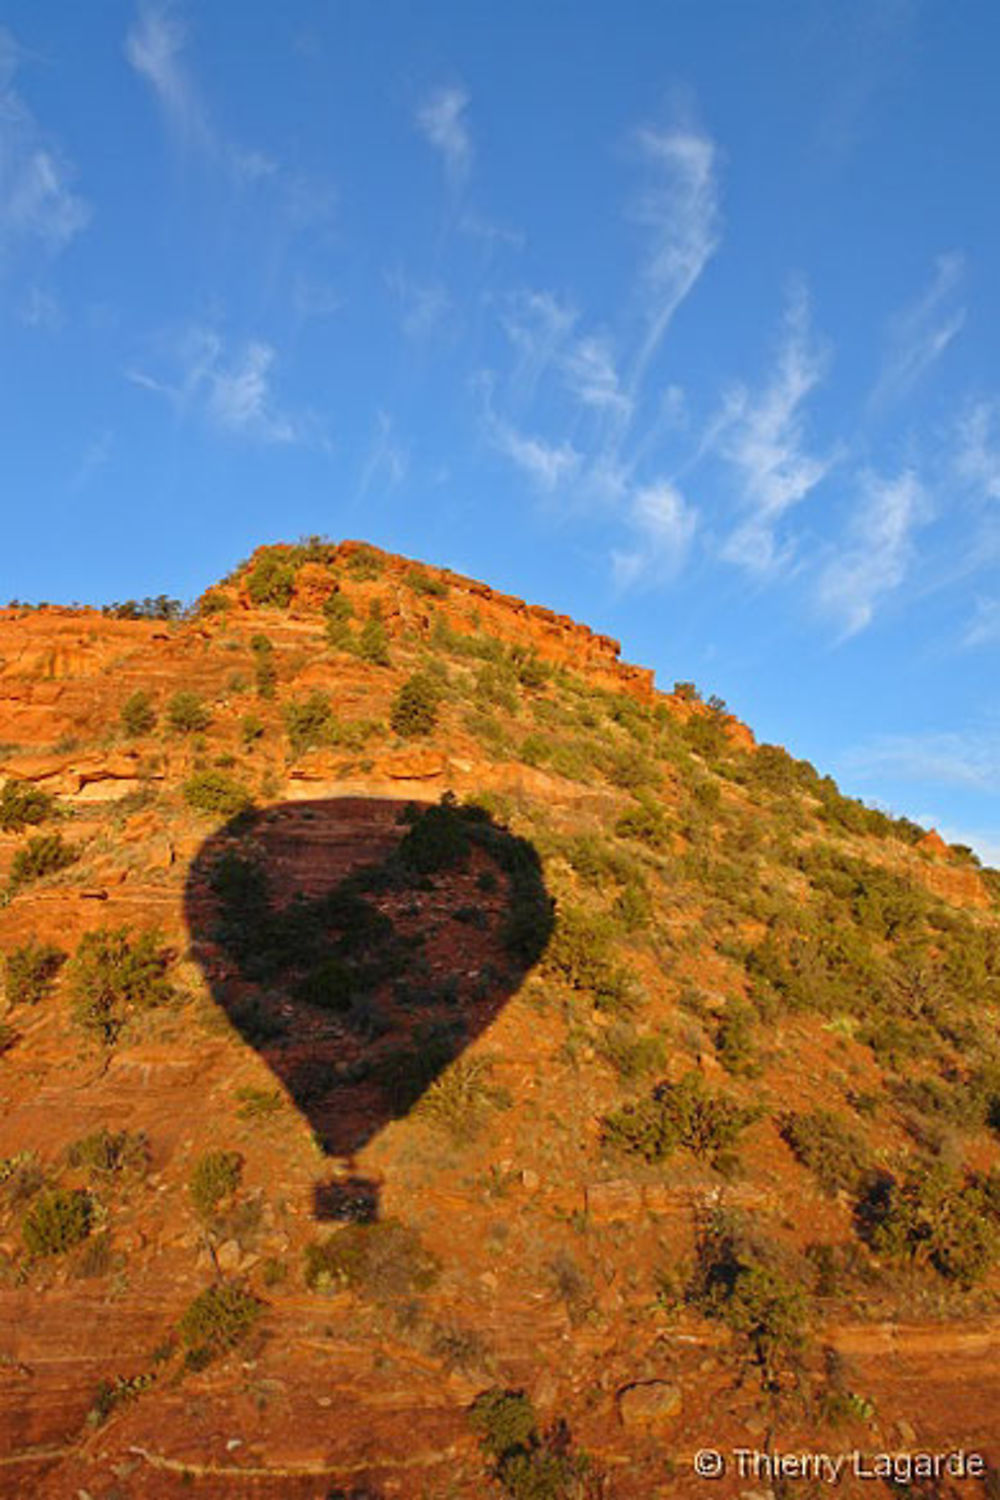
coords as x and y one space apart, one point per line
360 945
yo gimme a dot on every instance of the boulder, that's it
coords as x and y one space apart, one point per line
649 1405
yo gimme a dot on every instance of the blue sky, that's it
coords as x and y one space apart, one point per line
678 317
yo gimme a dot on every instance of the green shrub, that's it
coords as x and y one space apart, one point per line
470 644
219 1318
241 884
734 1040
21 804
309 722
271 581
251 730
580 954
216 1175
274 1271
528 667
113 1394
213 602
421 582
112 975
187 714
56 1221
833 1152
330 985
108 1153
259 1104
528 1464
633 907
631 770
740 1281
437 839
969 1101
772 768
314 548
264 670
372 644
459 1099
160 608
338 607
384 1260
338 610
138 715
936 1217
577 758
216 794
504 1420
97 1258
30 971
631 1055
364 564
496 686
488 730
597 860
46 854
678 1114
706 735
415 707
644 821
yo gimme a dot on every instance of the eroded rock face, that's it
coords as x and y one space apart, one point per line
960 884
468 606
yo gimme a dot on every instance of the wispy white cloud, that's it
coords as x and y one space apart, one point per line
541 328
239 396
969 758
387 460
441 118
423 306
978 457
921 332
94 458
984 627
39 212
313 298
546 464
538 325
232 392
480 228
878 549
664 524
155 46
763 436
680 210
872 50
40 309
674 408
307 201
590 372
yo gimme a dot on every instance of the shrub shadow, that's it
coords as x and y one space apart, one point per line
360 945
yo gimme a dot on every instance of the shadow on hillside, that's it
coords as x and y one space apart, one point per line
360 945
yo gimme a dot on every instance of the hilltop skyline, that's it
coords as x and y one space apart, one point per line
679 322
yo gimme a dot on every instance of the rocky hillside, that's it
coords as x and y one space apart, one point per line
437 1064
